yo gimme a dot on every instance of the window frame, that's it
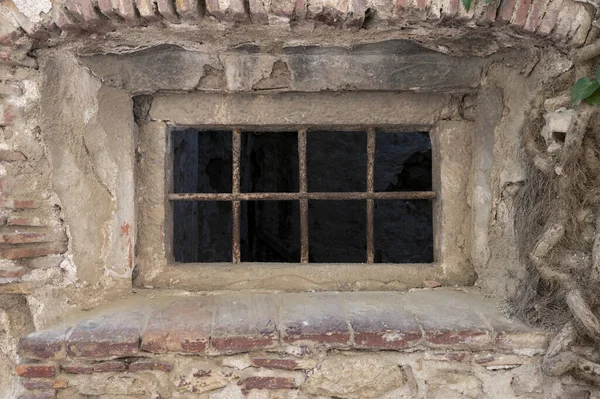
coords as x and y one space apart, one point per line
156 266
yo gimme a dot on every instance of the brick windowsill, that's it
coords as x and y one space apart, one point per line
243 322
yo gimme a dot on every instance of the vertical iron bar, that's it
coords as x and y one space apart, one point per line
236 148
370 189
303 202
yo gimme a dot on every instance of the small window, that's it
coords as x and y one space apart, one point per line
309 196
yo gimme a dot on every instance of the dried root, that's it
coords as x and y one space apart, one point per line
556 223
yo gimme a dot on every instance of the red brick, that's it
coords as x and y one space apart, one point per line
30 252
12 271
31 370
505 12
29 221
23 237
109 366
380 323
182 327
44 384
77 368
317 318
550 17
269 383
47 394
520 16
11 156
143 365
281 364
15 203
113 334
535 15
126 10
167 10
244 323
48 344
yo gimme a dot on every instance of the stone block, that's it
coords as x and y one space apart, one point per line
148 10
536 12
379 322
107 335
182 327
315 319
244 323
269 383
227 10
44 344
355 377
189 10
550 17
30 370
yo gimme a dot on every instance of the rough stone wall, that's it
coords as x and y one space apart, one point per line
317 375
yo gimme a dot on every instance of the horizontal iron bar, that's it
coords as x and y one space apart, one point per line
398 195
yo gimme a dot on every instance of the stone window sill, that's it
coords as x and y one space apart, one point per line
232 323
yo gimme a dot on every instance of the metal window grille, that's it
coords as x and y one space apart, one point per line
303 195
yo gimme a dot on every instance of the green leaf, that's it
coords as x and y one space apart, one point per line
598 74
467 4
594 98
582 89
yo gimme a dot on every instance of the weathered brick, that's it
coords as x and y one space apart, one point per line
167 9
566 16
282 364
48 344
33 370
189 10
109 8
536 12
109 366
113 334
448 320
230 10
28 221
77 368
9 89
520 16
317 318
243 323
11 156
380 323
269 383
147 10
30 251
86 10
550 17
258 14
46 394
143 365
126 10
183 327
12 271
505 12
44 384
23 237
19 203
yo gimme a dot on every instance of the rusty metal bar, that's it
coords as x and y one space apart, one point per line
303 202
388 195
236 149
370 189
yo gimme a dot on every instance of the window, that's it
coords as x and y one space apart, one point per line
306 196
411 186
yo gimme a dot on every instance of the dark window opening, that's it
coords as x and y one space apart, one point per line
303 196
